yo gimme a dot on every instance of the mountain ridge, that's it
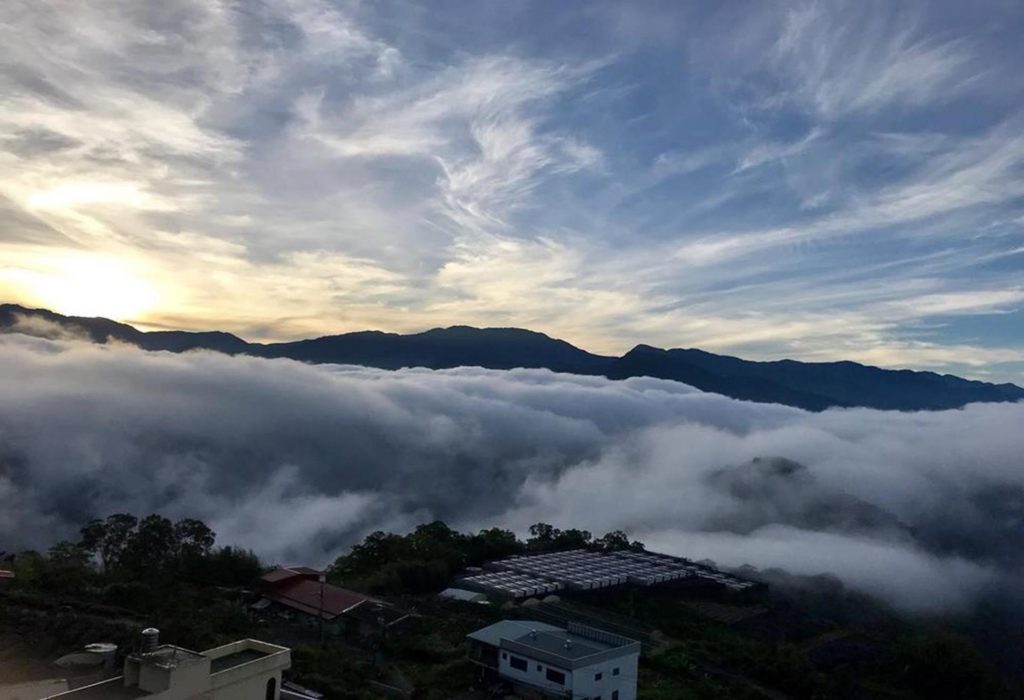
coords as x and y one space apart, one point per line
813 386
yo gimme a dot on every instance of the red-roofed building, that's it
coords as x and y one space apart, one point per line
298 592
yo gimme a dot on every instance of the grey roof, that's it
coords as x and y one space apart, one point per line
555 643
461 594
572 648
510 629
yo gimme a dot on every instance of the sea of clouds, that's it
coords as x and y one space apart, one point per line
924 510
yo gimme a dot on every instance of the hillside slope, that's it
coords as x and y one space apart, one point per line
808 385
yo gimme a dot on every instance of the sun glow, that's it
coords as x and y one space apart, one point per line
87 285
70 195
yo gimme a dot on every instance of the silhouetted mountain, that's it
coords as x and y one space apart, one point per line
852 384
45 323
645 361
495 348
808 385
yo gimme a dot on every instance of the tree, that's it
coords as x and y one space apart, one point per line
547 538
67 566
109 538
616 541
232 566
152 549
194 538
493 543
542 536
29 568
573 539
376 550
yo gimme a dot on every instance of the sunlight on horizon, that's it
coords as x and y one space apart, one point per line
80 284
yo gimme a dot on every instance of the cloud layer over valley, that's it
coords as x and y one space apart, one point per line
924 510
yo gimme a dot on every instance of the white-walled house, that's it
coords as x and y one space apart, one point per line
579 662
244 670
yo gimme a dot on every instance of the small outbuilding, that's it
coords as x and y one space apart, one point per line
464 595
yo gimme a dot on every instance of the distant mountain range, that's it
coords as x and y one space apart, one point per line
810 385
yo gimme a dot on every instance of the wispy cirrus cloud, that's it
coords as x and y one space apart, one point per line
816 180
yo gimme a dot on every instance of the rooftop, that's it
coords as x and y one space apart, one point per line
168 656
568 645
243 656
112 689
283 573
509 629
576 646
527 575
462 594
304 594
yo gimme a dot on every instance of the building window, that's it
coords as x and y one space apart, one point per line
615 671
597 676
555 676
518 664
615 695
504 655
539 668
271 689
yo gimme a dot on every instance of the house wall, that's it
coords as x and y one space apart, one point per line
248 681
185 682
580 682
250 688
535 673
585 685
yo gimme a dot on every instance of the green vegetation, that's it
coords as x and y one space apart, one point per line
426 559
812 640
139 573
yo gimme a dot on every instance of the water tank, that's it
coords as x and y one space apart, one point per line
104 650
150 640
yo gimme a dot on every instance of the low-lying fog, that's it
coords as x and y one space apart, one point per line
925 510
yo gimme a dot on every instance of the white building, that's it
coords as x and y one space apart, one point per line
579 662
243 670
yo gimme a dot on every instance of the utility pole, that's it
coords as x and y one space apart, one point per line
322 577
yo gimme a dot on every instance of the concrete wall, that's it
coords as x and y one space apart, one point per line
248 681
34 690
585 685
184 682
249 688
582 681
535 673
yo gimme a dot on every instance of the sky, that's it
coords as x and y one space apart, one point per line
816 180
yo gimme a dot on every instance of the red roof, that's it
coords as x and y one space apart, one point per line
283 573
304 594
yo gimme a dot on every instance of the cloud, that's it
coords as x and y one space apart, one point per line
772 181
923 510
841 60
